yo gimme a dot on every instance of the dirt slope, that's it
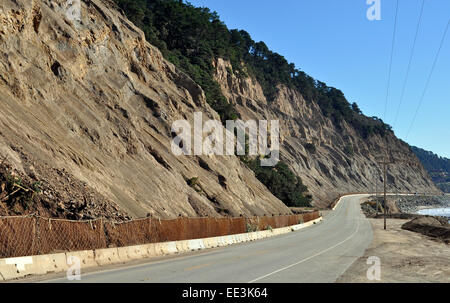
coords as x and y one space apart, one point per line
330 169
90 105
95 99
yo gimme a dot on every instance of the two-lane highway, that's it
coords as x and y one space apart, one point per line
320 253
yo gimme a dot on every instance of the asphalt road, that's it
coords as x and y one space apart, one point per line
320 253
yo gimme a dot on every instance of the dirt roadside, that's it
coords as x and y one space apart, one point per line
405 256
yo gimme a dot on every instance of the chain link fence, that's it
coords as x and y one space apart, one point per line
33 235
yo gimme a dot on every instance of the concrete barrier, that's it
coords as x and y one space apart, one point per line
228 240
216 241
159 249
182 246
44 264
221 241
129 253
86 257
196 245
169 248
122 253
285 230
106 256
210 242
307 224
233 239
153 249
206 243
13 268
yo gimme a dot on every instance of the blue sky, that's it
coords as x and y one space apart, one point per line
333 41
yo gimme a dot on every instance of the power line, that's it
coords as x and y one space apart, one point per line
389 81
390 62
428 79
409 65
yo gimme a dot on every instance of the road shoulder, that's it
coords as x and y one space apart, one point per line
405 256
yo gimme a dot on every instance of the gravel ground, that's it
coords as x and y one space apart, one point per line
411 204
405 257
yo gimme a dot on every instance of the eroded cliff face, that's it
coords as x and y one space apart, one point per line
331 169
92 103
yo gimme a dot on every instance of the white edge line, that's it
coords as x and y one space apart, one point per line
96 270
310 257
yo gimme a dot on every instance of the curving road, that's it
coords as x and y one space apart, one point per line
320 253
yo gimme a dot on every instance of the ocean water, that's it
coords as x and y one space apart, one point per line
443 212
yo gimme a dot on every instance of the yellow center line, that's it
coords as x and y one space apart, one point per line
197 267
262 252
228 259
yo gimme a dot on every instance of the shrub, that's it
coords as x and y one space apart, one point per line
193 182
282 183
349 150
251 227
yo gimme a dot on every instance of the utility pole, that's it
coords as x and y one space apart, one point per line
384 180
376 195
385 163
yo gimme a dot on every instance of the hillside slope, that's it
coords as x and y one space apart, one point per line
328 142
330 160
438 167
87 109
92 103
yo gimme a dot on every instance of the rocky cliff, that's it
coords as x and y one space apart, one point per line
87 106
330 160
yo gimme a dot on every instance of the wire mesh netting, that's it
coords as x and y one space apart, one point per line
310 216
33 235
18 237
264 223
129 233
61 235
